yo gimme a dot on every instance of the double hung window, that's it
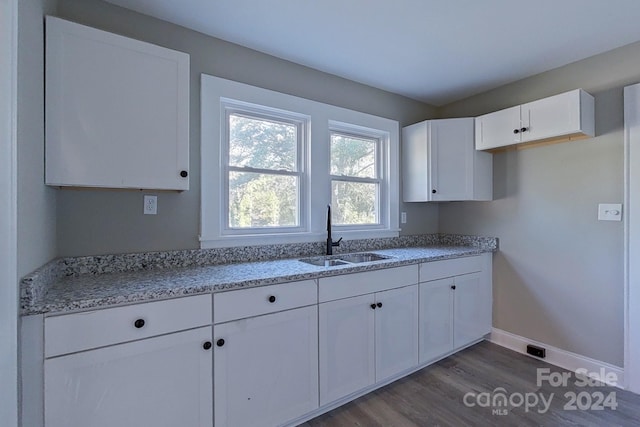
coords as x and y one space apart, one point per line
264 171
272 162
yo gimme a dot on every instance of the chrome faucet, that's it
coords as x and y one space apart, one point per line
330 242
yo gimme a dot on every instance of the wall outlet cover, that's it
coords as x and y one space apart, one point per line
610 212
150 205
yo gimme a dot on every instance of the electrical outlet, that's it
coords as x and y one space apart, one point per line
610 212
403 217
536 351
150 205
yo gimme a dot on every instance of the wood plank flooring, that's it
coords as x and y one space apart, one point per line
435 396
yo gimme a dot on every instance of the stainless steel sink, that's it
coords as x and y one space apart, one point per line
358 258
323 262
345 259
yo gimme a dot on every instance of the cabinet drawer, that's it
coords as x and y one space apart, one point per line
81 331
251 302
349 285
449 267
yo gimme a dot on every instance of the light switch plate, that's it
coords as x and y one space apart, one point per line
610 212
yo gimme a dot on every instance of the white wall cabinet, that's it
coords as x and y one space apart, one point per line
454 311
562 117
440 163
266 367
117 111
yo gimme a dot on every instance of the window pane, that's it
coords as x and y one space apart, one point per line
262 200
352 156
261 143
354 203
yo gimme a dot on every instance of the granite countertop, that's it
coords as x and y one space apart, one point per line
91 291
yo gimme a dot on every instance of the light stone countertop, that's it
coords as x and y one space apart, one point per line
87 292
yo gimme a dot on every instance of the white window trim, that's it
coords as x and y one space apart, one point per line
302 122
215 91
382 154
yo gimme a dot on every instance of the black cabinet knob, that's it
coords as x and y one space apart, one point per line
220 342
272 298
139 323
434 191
184 174
379 305
373 306
516 131
524 129
453 287
206 345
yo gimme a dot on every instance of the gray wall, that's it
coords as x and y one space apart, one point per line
558 277
36 202
98 222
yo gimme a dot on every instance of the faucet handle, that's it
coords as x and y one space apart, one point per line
336 243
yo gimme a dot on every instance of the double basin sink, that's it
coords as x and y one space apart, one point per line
346 259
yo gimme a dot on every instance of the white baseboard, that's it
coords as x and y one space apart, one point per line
565 359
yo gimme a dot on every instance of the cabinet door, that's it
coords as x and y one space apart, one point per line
266 372
117 111
451 160
470 309
416 185
497 129
347 342
162 381
396 331
551 117
436 319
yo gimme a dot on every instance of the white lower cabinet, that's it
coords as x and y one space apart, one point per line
436 319
277 354
161 381
347 347
396 331
454 312
266 368
471 309
366 339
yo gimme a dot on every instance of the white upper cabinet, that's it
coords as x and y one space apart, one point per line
117 111
439 162
562 117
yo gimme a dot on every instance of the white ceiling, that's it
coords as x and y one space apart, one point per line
436 51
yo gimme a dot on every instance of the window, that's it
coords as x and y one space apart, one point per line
271 163
263 170
355 179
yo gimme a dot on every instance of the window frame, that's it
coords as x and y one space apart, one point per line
381 139
316 189
253 111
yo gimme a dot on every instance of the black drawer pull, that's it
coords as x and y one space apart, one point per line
220 342
272 298
206 345
139 323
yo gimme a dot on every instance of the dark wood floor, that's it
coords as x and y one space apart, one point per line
435 396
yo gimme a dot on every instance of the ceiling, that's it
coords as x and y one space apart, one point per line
436 51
